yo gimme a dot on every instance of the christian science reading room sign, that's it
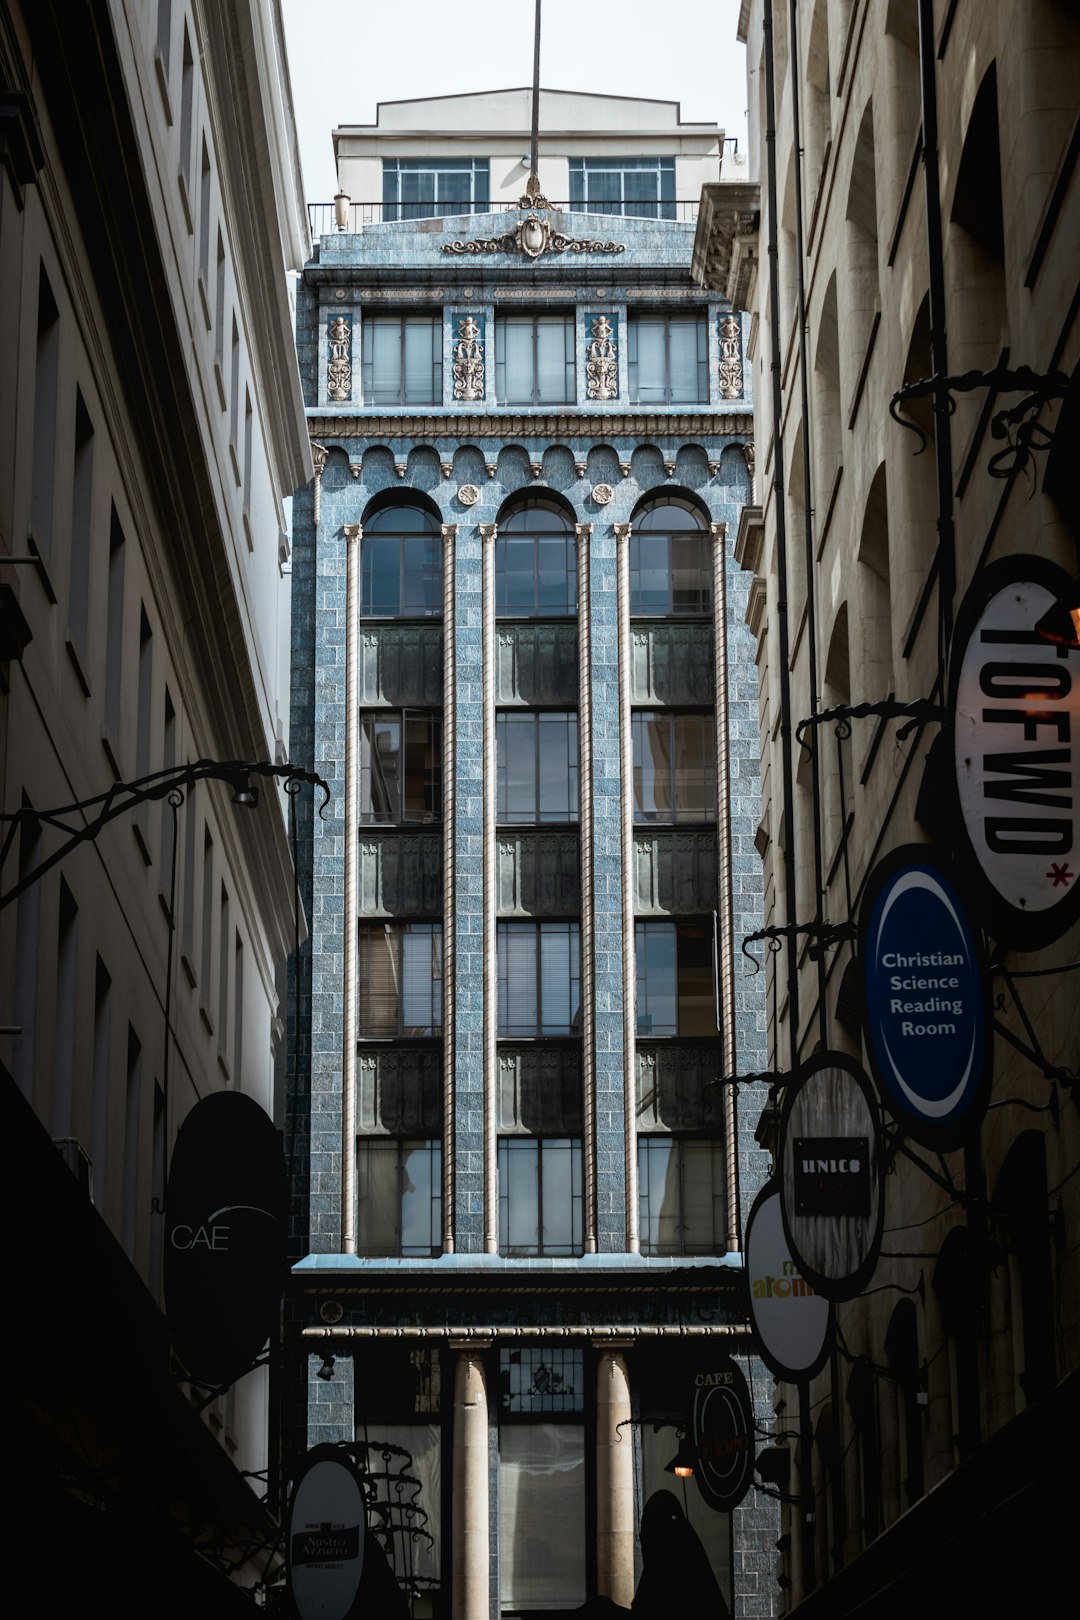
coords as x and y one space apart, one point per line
927 999
1014 704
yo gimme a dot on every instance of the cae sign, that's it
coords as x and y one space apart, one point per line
1014 703
926 998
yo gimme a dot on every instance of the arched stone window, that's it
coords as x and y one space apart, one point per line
401 563
670 559
535 560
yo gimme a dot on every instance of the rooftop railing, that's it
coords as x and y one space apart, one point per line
323 217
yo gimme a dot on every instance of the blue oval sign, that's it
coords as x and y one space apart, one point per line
926 999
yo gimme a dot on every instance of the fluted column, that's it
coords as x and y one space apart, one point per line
585 827
353 536
470 1484
629 970
614 1480
449 536
488 532
725 897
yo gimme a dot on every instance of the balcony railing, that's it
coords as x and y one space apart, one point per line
322 217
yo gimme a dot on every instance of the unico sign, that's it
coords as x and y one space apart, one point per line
1014 703
926 998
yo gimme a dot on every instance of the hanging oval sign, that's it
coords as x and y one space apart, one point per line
792 1324
324 1547
926 996
723 1436
829 1164
225 1212
1014 708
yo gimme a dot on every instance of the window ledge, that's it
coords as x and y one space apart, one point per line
162 73
76 664
185 200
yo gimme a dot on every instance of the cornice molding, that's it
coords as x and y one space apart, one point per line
510 428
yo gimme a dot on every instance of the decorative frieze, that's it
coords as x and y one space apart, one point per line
533 237
601 360
468 360
731 370
339 361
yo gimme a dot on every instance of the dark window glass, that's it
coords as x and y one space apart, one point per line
537 758
540 1197
423 188
400 974
675 991
402 360
674 768
399 1209
681 1196
534 360
669 359
535 563
400 766
643 188
401 564
539 979
670 562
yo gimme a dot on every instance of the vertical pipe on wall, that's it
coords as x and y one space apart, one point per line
585 829
629 972
353 536
449 536
725 894
488 532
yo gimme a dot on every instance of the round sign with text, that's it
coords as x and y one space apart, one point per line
792 1323
829 1170
926 994
1014 713
723 1436
324 1547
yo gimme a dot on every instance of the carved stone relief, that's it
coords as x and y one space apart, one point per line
468 361
339 367
731 371
601 361
468 494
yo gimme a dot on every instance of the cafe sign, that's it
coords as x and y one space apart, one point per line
1014 715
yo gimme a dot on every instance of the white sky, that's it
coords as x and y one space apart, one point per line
346 55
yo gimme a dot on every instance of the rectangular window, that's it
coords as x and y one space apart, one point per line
402 360
669 359
640 188
168 811
400 970
157 1191
400 1197
187 91
675 986
224 964
187 946
424 188
400 767
681 1196
27 944
206 959
534 360
82 508
46 364
114 634
129 1226
537 767
401 576
204 220
540 1196
219 302
670 573
248 435
539 979
99 1104
64 1047
234 397
238 1010
674 766
142 722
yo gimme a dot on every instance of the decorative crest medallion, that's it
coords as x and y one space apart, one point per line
603 494
468 494
339 366
601 364
468 365
731 377
533 236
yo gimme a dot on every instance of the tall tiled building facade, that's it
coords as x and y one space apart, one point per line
924 213
520 660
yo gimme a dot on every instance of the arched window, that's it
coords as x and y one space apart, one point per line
401 564
670 561
535 562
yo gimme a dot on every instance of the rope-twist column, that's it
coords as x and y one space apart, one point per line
725 895
353 536
488 532
585 826
449 536
626 797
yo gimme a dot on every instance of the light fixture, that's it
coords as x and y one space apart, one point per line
682 1464
326 1371
1061 621
341 210
245 794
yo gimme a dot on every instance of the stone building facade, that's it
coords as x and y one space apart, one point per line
929 1466
520 661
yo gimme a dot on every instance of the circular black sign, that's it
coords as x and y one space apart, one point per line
324 1545
224 1236
723 1436
1014 717
829 1161
792 1323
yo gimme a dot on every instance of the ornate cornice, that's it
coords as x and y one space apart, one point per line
510 427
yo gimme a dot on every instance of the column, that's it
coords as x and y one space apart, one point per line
614 1479
629 967
449 536
488 532
470 1485
585 831
353 535
725 897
